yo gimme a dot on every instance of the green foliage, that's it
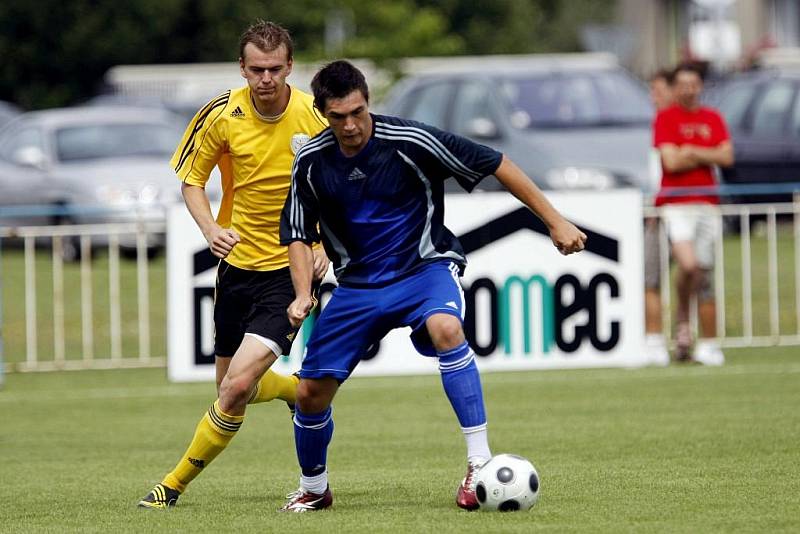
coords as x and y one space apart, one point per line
56 52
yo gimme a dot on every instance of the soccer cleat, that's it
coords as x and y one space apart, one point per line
160 497
465 496
301 501
291 405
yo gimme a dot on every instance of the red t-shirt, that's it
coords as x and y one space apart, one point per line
703 127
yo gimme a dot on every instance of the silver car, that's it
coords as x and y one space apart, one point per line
88 165
570 121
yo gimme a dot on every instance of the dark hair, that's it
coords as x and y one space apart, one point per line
689 67
337 80
267 36
663 74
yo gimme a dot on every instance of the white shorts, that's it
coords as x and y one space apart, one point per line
698 223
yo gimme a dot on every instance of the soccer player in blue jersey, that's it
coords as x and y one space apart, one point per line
374 184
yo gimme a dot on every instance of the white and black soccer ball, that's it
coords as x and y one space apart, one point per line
507 483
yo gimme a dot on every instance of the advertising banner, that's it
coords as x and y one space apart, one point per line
528 307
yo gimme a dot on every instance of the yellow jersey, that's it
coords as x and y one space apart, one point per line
255 156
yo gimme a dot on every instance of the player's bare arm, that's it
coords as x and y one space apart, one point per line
301 264
321 262
721 155
566 237
220 240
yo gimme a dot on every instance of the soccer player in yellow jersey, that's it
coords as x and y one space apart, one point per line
252 134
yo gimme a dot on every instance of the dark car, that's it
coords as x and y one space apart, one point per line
762 110
571 121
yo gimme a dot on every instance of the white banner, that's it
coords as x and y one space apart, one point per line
528 307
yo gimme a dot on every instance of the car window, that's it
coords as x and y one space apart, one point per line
735 102
795 124
428 104
575 99
115 140
13 142
771 110
472 102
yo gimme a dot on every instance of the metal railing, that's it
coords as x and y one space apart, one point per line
138 238
778 304
753 302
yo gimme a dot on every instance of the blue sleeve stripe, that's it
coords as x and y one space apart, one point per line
426 140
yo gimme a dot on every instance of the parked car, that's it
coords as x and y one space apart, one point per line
762 110
570 121
7 112
89 165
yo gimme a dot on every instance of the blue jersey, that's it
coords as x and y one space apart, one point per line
381 212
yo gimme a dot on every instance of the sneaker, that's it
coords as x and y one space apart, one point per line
300 501
683 343
708 353
656 350
160 497
296 376
465 495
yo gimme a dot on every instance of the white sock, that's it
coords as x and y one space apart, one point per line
316 484
477 439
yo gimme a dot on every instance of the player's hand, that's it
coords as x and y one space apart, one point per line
299 309
321 263
567 238
221 241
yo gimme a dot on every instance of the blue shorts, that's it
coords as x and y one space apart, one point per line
357 318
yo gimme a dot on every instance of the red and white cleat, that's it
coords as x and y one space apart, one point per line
301 501
465 496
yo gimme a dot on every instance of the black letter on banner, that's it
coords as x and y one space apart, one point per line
470 321
563 312
201 294
613 286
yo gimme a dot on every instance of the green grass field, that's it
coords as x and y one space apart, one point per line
679 449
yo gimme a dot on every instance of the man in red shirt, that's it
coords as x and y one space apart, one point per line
692 140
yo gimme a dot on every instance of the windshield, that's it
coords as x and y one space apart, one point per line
115 140
575 99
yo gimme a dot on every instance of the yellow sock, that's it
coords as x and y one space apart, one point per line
215 430
275 386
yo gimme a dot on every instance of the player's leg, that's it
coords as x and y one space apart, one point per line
240 376
707 349
681 225
654 337
344 331
220 423
441 334
462 385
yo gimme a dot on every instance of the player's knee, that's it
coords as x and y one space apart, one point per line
312 396
234 392
446 333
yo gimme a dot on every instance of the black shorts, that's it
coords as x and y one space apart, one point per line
252 302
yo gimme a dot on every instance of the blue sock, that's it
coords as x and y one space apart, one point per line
462 384
312 434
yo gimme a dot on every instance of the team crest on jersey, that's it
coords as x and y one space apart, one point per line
298 140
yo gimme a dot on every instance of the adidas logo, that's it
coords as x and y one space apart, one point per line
356 174
197 463
452 304
237 113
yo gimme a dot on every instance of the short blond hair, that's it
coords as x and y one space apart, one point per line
267 36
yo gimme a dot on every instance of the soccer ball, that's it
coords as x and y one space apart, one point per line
507 483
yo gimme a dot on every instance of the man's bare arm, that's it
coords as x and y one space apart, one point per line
565 236
220 240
